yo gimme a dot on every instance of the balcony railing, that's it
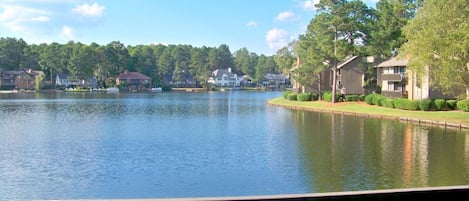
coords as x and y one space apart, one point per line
395 94
396 77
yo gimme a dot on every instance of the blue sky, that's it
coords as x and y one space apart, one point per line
262 26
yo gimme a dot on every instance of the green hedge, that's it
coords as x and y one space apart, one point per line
463 105
351 98
361 97
451 104
304 97
388 102
425 104
400 103
292 96
412 105
440 104
378 100
285 94
369 99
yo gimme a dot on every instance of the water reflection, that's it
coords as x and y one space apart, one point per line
159 145
344 153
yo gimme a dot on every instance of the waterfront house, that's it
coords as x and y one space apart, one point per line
61 79
224 78
350 75
133 81
275 80
18 79
397 81
65 81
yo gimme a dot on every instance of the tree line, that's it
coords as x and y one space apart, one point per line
160 62
432 34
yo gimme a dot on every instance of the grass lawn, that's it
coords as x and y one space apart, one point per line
455 116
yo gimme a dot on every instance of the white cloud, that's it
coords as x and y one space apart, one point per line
41 19
93 10
17 17
277 38
310 4
67 32
252 24
285 16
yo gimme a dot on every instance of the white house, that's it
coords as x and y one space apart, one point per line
224 78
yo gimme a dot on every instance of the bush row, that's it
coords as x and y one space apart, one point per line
424 105
300 96
380 100
326 96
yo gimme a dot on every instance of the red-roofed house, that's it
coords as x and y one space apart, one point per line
133 81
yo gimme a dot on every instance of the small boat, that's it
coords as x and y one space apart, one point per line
113 90
156 89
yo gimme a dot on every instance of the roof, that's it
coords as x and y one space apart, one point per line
62 76
273 76
347 61
393 61
133 76
220 72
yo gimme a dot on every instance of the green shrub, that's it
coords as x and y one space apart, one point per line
451 104
351 98
304 97
292 96
361 97
388 102
327 96
314 96
463 105
412 105
285 94
400 103
369 98
378 100
425 104
440 104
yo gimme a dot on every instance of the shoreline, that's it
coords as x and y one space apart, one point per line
336 110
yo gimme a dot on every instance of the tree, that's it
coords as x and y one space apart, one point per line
348 21
265 64
181 56
220 58
165 63
386 32
48 59
11 53
285 58
438 40
199 65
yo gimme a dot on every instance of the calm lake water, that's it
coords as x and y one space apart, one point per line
161 145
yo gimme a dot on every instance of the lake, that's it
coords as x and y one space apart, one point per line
177 144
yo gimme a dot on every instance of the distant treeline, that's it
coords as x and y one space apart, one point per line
162 63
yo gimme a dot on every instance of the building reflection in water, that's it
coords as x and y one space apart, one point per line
348 153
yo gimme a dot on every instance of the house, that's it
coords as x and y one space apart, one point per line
275 80
133 81
224 78
397 81
63 80
350 76
18 79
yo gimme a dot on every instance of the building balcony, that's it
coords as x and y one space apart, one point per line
395 77
394 94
